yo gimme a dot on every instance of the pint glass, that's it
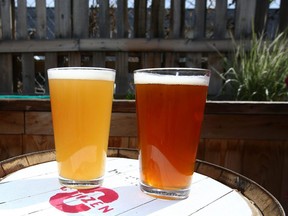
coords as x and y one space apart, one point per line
81 103
170 104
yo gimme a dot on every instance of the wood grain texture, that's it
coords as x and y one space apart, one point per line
11 122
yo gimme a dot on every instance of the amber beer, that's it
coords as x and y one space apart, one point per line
81 102
170 105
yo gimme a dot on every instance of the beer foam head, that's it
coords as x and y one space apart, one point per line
84 73
200 77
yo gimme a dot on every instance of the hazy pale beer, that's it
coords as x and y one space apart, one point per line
170 105
81 102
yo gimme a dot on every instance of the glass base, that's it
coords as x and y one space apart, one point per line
165 194
81 184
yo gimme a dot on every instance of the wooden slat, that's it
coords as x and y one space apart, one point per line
104 19
38 123
247 127
10 145
261 15
140 10
122 19
245 13
263 163
215 64
123 124
6 19
28 73
41 19
122 80
74 59
157 19
50 62
6 76
121 66
63 19
22 20
283 19
11 122
80 18
220 28
36 143
200 19
120 45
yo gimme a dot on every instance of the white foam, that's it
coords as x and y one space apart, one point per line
152 78
84 73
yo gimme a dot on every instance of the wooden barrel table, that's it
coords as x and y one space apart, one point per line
29 186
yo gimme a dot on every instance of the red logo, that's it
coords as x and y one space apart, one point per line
73 201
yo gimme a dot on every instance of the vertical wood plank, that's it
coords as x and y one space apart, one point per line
140 10
6 74
104 19
28 67
122 19
98 59
177 18
10 146
41 19
63 19
74 59
200 19
80 18
50 62
283 19
28 73
157 19
21 26
245 13
261 15
215 64
6 19
263 162
122 68
220 28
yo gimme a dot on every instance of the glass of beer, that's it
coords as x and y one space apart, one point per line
81 104
170 106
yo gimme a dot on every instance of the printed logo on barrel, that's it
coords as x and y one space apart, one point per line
75 201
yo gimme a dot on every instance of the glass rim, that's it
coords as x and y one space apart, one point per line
83 68
172 70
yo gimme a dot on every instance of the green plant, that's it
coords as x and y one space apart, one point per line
260 73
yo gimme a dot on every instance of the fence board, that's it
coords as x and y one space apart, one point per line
200 19
21 26
283 19
220 27
104 19
6 75
41 19
140 10
63 19
50 62
157 19
245 13
28 73
6 19
11 122
80 19
10 146
261 15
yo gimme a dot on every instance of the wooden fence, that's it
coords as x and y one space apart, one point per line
104 36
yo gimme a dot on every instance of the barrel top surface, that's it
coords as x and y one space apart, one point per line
35 190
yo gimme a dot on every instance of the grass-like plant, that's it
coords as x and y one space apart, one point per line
259 73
